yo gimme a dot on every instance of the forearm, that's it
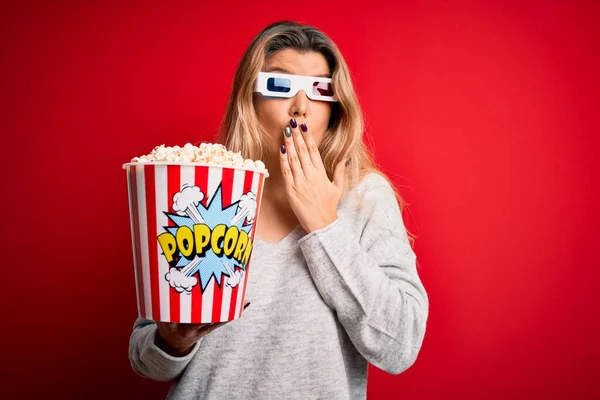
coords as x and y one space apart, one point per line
379 300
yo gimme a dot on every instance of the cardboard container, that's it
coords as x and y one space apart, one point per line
192 228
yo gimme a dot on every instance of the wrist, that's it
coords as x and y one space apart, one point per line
322 224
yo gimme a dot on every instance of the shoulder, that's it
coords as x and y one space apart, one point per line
372 190
373 187
373 180
372 208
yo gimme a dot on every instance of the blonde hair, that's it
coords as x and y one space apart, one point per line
241 131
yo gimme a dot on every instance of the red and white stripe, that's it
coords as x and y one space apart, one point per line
133 224
143 240
258 181
175 177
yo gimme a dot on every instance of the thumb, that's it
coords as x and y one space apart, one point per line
339 175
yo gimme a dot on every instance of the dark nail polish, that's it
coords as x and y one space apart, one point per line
348 162
287 132
283 150
303 127
246 306
293 123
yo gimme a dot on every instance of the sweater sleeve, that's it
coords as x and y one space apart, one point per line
150 361
367 273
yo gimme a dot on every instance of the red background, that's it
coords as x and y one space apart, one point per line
486 112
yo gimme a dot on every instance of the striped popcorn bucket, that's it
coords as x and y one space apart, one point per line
192 229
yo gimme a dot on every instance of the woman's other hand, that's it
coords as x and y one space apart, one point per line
312 196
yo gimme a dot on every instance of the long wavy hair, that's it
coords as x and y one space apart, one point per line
241 131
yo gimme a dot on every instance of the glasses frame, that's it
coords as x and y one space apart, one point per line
298 82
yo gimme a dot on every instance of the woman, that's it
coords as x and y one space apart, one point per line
334 284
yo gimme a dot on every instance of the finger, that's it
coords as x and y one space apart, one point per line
339 174
286 169
301 148
292 155
312 147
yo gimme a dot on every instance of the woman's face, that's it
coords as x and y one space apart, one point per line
274 114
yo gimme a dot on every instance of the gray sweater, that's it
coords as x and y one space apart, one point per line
324 305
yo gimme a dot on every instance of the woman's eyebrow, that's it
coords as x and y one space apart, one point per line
285 71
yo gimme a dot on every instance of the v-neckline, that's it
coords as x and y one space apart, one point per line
283 240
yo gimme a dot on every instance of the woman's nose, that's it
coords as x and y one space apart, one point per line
300 103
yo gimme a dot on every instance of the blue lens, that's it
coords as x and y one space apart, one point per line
281 85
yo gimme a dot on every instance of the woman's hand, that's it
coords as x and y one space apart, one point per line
312 196
179 339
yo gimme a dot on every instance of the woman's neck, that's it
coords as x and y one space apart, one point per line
274 191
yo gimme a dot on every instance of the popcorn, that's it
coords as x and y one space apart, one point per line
206 153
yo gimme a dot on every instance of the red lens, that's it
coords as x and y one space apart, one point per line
322 89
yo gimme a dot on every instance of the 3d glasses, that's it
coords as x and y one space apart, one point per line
283 85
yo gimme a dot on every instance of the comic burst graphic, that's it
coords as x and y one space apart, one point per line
189 211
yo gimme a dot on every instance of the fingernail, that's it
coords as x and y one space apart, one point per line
287 132
283 150
348 162
246 306
293 123
303 127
